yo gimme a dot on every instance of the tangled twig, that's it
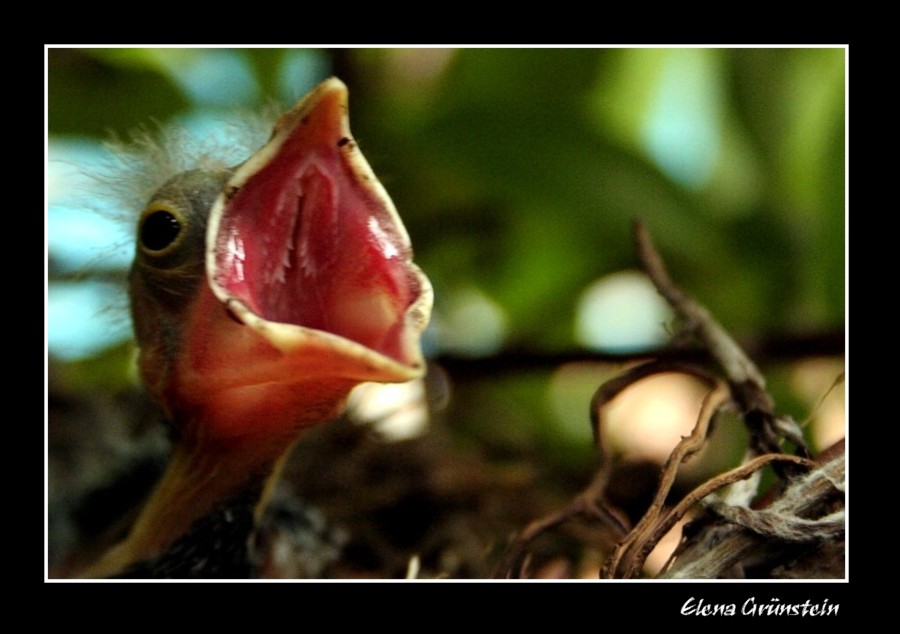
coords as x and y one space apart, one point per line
642 535
748 387
735 381
782 522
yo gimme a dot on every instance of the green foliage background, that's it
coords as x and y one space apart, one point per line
519 171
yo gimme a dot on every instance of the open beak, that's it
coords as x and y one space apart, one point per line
311 288
305 248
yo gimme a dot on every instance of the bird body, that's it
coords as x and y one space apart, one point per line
261 296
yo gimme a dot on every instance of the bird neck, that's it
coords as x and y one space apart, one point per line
205 469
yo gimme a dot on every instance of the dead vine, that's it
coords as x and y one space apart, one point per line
805 488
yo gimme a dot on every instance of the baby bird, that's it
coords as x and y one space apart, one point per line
261 295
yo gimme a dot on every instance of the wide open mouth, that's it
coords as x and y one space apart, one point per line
304 242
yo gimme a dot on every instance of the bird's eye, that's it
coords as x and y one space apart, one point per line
159 229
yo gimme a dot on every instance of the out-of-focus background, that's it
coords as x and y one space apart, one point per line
518 173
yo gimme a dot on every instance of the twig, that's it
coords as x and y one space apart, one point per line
785 527
523 359
736 365
741 384
615 386
588 504
713 484
748 387
709 557
591 503
642 533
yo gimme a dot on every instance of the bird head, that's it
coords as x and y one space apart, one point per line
289 278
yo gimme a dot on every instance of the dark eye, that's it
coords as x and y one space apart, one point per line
159 229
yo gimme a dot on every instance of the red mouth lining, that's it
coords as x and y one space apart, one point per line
305 246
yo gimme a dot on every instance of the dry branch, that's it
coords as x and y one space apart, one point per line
808 504
806 507
725 545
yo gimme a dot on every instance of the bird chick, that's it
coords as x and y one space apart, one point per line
261 295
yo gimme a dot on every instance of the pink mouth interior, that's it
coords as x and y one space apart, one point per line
303 242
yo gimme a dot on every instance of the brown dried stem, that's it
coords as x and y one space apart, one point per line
748 387
587 505
637 540
678 511
741 384
591 503
784 521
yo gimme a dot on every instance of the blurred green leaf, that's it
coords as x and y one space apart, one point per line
519 172
89 95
